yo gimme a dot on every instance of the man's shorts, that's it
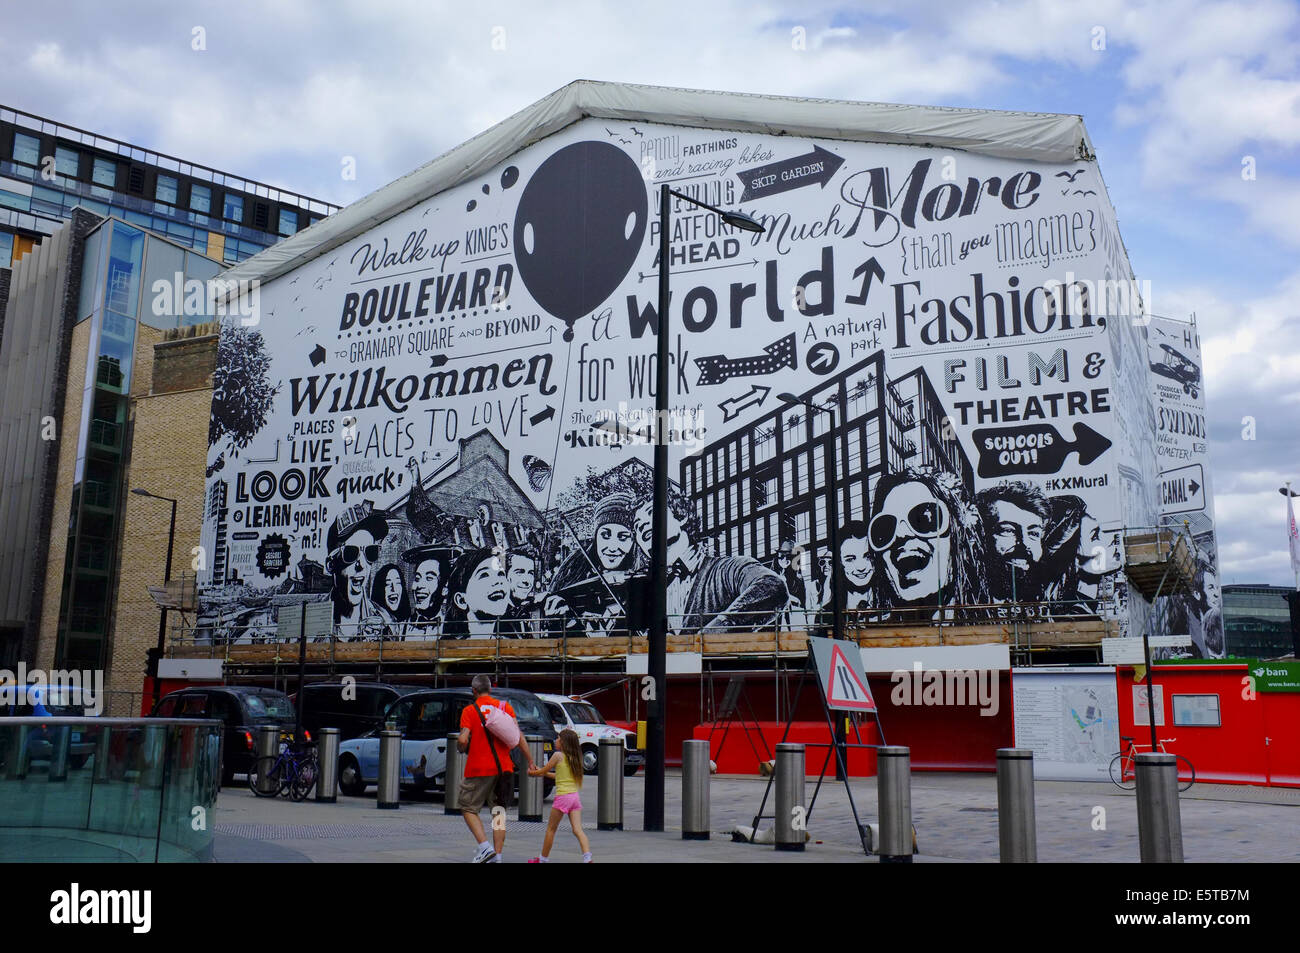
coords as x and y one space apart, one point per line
475 793
564 803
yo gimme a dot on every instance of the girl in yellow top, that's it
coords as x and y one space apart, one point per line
565 767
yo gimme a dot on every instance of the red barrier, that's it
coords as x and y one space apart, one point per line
746 745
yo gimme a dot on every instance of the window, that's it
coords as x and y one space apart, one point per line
104 173
288 222
27 149
166 190
200 199
66 161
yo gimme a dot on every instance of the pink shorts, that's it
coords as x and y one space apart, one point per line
564 803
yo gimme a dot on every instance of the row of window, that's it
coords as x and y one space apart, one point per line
167 188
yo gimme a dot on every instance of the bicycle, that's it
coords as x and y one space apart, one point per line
1123 767
291 772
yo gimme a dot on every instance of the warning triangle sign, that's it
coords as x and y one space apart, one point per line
846 687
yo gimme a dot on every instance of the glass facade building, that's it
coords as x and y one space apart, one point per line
1257 621
121 266
47 169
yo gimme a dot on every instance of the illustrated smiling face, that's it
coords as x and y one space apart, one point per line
487 592
911 529
393 589
613 543
424 583
855 558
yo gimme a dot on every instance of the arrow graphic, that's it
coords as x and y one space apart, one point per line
818 166
541 415
718 368
732 406
317 356
1034 448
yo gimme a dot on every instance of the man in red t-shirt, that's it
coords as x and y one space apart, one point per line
481 771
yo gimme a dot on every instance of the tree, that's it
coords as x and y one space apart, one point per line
241 394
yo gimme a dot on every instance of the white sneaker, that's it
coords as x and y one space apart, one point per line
495 859
485 852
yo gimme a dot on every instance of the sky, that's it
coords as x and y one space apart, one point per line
1193 108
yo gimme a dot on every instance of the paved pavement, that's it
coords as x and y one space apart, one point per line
955 816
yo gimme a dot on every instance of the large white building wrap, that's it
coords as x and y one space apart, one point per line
436 417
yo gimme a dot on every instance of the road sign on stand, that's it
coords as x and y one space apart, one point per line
841 675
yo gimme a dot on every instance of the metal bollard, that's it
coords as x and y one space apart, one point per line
390 766
1017 828
695 790
894 787
530 789
268 746
1160 825
327 771
790 811
62 742
455 774
609 792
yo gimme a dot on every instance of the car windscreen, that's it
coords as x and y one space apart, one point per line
528 708
583 714
268 707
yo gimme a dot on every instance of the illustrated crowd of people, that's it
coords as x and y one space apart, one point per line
926 549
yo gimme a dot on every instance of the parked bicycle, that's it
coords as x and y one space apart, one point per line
293 772
1123 767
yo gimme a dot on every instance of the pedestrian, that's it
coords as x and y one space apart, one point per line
488 769
565 767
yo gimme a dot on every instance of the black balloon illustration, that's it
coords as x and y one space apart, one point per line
539 472
509 177
471 205
579 227
487 189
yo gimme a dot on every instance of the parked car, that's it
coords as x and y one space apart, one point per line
353 711
584 718
242 709
425 718
55 702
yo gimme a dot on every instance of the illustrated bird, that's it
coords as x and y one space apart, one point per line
1089 192
1070 175
626 142
295 281
637 132
424 515
612 133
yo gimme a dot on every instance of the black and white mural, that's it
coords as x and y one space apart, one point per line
440 427
1184 487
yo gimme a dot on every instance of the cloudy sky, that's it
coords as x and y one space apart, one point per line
1194 109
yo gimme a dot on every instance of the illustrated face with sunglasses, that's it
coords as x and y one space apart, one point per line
353 561
911 532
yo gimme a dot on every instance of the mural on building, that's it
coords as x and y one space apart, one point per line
454 443
1184 487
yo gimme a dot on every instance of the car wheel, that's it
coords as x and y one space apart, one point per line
350 781
630 770
590 760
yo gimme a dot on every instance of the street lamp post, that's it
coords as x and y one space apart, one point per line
658 648
833 517
167 575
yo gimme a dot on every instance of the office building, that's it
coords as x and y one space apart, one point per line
47 169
